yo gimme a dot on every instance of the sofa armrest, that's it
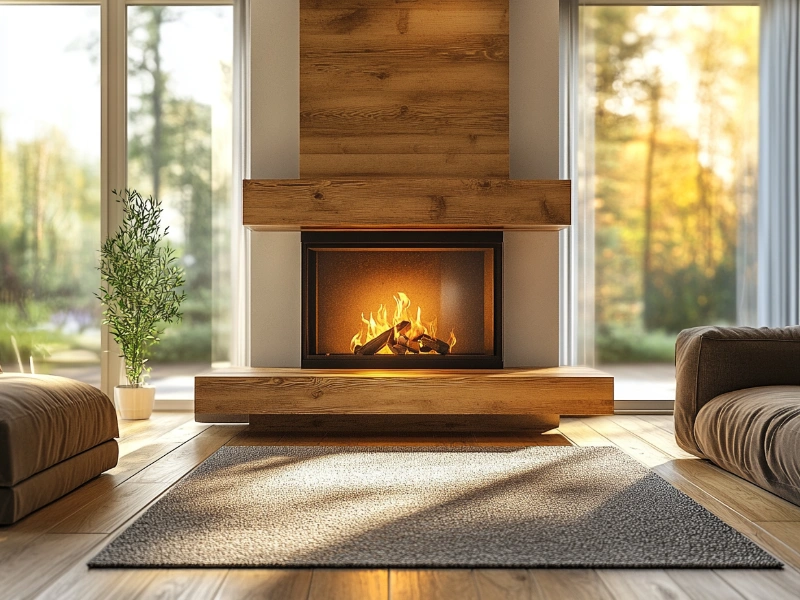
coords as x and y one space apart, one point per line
710 361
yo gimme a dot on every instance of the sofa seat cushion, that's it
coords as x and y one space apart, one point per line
755 433
38 490
45 420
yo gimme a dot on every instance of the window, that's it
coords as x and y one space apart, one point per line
101 96
50 190
669 103
179 150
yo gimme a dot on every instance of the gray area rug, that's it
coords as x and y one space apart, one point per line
296 506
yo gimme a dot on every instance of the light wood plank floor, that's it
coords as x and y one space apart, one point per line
44 556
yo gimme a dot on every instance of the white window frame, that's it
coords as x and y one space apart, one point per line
576 330
114 130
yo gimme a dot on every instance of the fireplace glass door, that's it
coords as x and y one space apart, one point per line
402 300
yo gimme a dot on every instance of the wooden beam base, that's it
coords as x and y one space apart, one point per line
443 398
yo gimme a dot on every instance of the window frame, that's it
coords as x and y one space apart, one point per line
576 243
114 132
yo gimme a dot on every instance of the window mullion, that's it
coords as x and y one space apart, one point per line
114 149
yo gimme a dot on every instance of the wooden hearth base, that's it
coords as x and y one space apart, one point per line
452 400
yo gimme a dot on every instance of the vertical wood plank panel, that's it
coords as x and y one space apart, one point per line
404 89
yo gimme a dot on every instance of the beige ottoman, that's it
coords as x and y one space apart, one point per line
55 434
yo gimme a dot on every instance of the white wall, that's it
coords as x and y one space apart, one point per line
530 259
275 284
530 274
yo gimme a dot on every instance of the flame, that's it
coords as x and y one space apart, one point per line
379 322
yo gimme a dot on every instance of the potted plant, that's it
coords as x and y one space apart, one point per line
139 290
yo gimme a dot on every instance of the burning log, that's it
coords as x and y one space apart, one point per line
398 349
410 345
429 344
378 342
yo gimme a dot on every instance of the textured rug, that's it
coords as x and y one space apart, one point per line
296 506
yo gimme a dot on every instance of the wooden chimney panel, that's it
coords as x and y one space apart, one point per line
404 88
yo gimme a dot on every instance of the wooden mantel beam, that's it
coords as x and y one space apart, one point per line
406 203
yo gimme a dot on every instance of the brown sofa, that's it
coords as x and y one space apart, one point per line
737 402
55 434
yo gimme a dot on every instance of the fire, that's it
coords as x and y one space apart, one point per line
380 321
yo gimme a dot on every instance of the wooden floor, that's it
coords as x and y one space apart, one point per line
45 555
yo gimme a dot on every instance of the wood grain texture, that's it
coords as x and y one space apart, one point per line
109 511
759 585
265 584
434 203
575 584
344 584
99 584
452 164
401 4
789 531
581 434
701 584
185 584
665 422
557 390
750 500
39 563
386 25
131 439
397 79
431 71
505 584
188 456
654 434
407 146
626 584
434 584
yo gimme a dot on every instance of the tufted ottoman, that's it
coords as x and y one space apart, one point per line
55 434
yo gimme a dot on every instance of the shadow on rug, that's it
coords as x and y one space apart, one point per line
294 506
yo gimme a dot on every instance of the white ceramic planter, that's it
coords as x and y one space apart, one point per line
134 402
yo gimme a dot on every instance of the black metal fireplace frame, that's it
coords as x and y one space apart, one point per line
398 239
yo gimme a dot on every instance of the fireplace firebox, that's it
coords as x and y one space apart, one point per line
402 300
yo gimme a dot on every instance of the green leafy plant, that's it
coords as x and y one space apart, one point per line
140 282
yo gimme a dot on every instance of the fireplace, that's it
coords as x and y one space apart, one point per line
439 257
403 187
402 300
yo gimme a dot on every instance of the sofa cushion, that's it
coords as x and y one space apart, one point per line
755 433
42 488
46 419
710 361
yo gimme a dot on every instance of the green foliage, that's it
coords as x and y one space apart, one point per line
141 280
24 328
190 344
49 230
672 171
170 151
628 345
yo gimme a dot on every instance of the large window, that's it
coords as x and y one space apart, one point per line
50 190
179 150
669 96
95 97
